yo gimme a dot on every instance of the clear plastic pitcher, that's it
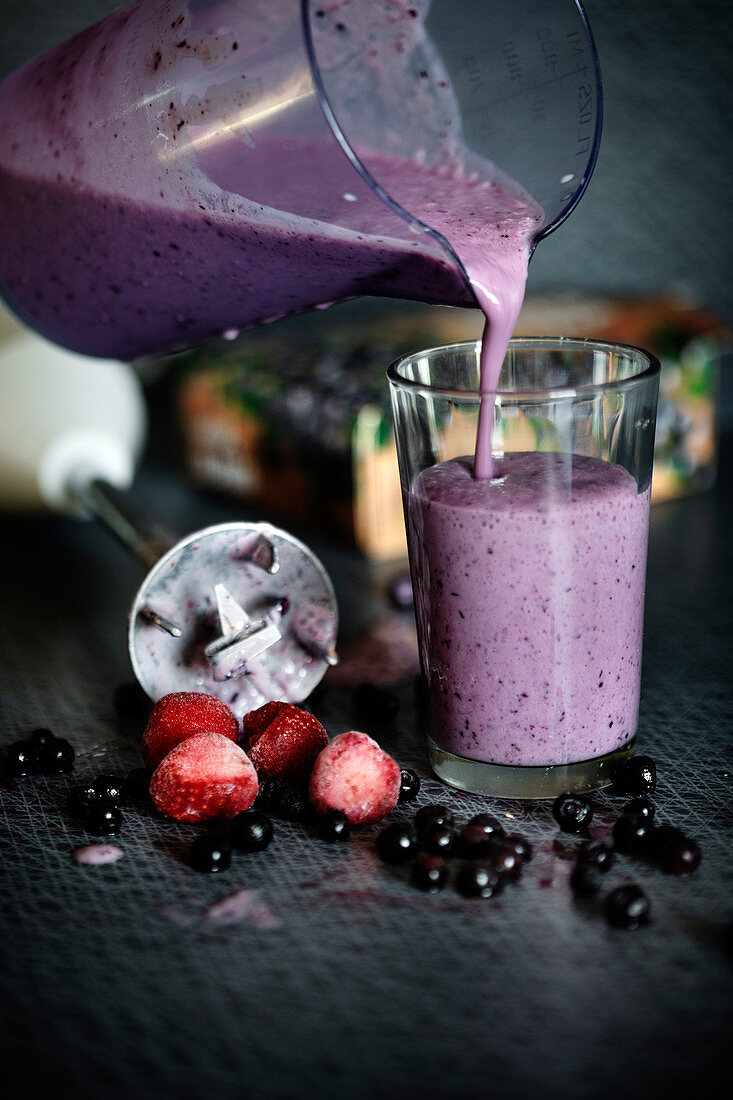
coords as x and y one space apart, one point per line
188 167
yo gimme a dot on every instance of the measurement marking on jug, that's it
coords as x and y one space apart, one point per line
531 89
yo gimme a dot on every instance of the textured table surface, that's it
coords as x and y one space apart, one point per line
335 978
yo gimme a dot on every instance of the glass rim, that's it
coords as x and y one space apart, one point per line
651 370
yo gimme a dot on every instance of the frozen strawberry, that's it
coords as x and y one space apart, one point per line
256 722
203 777
354 775
181 714
287 745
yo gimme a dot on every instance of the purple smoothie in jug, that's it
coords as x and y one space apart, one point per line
148 204
529 595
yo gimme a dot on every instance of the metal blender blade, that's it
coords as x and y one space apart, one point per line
214 615
243 611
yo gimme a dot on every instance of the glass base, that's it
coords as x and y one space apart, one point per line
512 781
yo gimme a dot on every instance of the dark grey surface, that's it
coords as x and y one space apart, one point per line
656 216
114 982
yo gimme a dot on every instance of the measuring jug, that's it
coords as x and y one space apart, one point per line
185 168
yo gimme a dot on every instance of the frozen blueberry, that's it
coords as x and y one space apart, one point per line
251 831
506 860
439 840
434 814
521 846
637 776
641 806
397 843
291 802
572 812
585 880
474 843
631 833
627 907
479 880
400 592
596 854
283 798
680 856
81 799
489 825
409 785
113 788
267 794
39 738
429 873
210 853
374 704
103 819
333 826
56 757
21 760
662 837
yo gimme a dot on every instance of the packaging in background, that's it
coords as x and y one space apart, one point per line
294 419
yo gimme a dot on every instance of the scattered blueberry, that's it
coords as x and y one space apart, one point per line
637 775
397 843
439 840
409 785
488 824
21 760
680 856
251 831
479 880
400 592
210 853
595 853
585 880
572 812
112 788
521 846
267 794
663 837
333 826
429 873
641 806
39 738
289 800
434 814
81 799
374 703
103 819
631 834
56 757
627 907
506 860
474 843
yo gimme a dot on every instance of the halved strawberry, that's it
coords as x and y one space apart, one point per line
354 775
284 741
179 715
203 777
